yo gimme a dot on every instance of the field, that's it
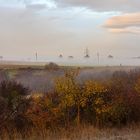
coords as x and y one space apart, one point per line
39 79
51 102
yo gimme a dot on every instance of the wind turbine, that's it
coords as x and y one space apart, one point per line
87 53
36 56
98 57
60 56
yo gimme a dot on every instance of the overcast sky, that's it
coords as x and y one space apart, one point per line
68 27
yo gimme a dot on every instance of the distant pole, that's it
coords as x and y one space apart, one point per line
98 57
36 56
1 58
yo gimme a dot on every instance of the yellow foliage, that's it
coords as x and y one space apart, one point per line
137 86
99 101
93 87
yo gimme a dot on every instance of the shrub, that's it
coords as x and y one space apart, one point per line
51 66
12 98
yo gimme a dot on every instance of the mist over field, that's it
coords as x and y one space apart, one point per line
78 61
39 79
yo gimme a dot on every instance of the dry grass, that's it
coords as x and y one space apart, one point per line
83 133
92 133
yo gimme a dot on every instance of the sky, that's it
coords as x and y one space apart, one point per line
68 27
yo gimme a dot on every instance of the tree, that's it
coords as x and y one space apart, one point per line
70 92
137 86
51 66
96 93
13 99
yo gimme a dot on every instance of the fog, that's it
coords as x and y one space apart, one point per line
42 81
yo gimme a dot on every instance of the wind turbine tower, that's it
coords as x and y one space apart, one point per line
36 56
87 53
98 57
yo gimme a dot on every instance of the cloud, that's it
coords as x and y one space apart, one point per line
127 23
126 30
103 5
36 6
122 21
29 4
24 28
33 25
39 4
96 5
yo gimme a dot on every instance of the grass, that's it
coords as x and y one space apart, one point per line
92 133
82 133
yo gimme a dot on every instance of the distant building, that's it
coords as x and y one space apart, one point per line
71 57
110 56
